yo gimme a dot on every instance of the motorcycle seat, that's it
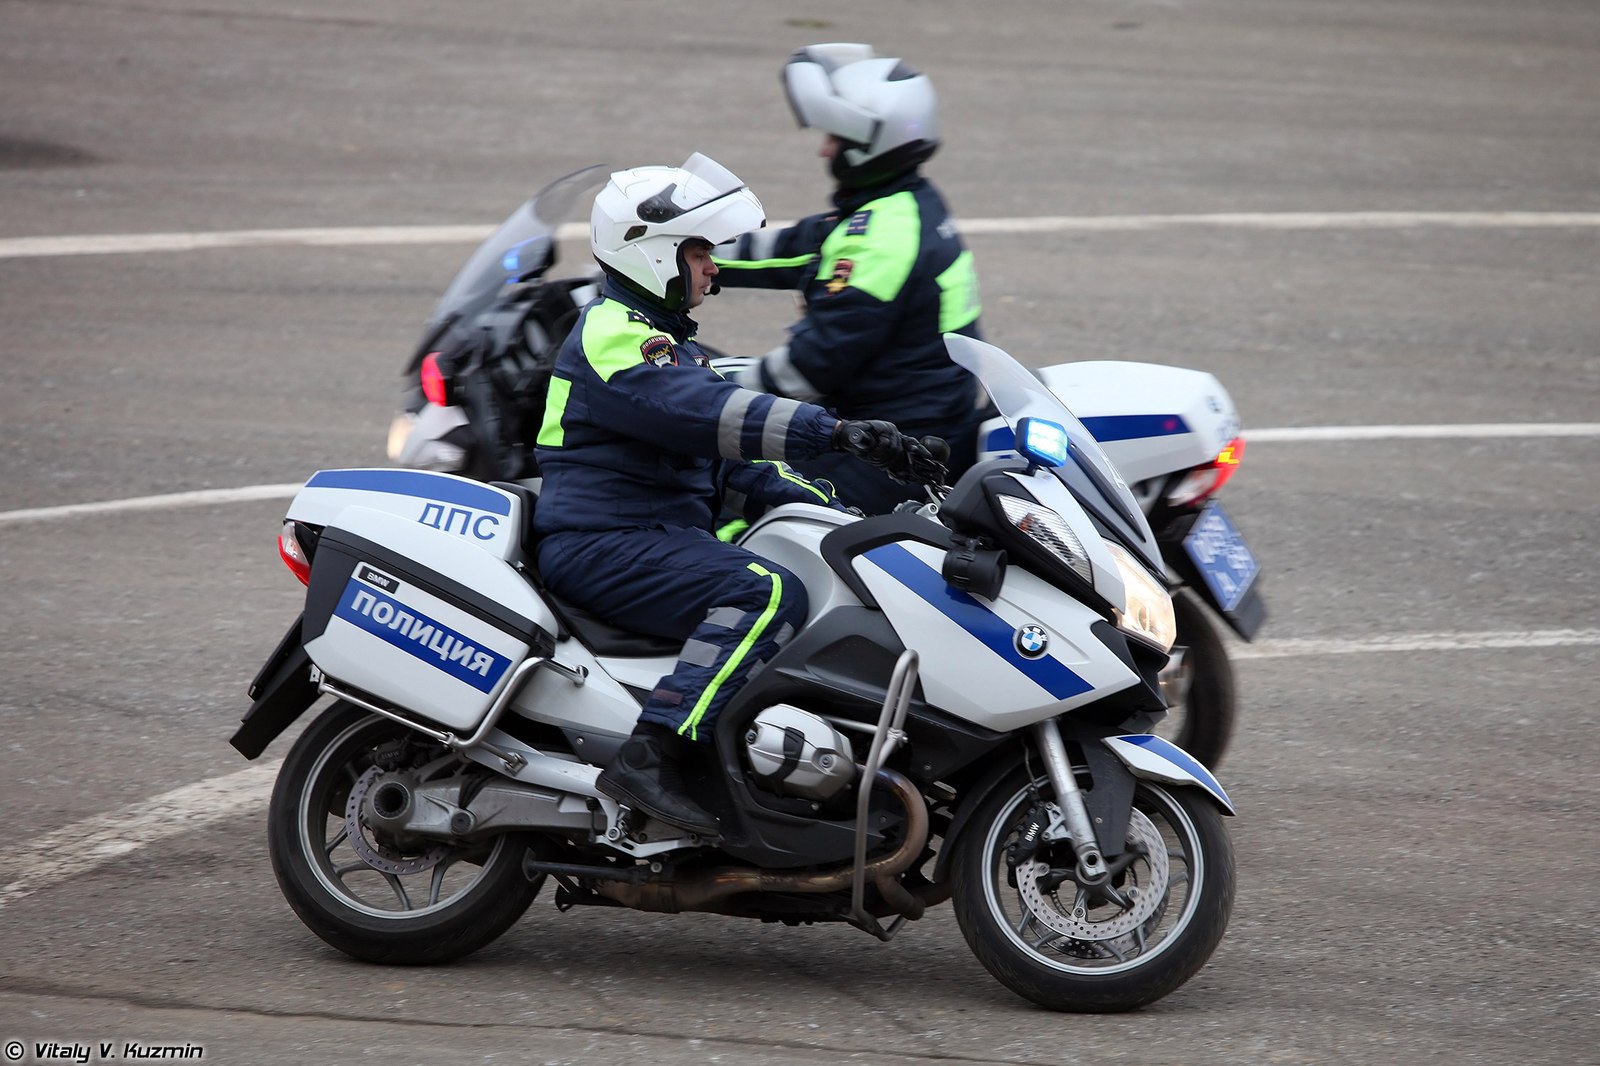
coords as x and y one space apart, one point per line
603 638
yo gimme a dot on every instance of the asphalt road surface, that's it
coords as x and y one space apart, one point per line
1356 213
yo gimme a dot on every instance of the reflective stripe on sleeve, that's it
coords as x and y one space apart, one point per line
786 377
730 423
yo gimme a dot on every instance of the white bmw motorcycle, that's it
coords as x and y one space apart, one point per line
964 716
474 400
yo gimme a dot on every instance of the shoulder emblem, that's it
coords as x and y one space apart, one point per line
636 316
658 351
841 276
858 224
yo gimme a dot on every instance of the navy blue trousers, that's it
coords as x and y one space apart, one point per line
732 608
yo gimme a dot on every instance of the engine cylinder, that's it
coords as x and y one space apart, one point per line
796 753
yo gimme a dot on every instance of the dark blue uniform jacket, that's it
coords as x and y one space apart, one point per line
640 433
884 276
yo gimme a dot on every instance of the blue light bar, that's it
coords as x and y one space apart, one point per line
1042 441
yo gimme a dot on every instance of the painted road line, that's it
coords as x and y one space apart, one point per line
142 243
34 865
247 493
349 236
197 498
1535 638
55 856
1344 433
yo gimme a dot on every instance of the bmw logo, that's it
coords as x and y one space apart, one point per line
1032 641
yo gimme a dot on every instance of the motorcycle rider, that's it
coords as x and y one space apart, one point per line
642 444
883 274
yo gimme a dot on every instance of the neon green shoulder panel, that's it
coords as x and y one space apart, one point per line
613 341
958 294
877 256
551 435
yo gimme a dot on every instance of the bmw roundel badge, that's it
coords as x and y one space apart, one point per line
1032 641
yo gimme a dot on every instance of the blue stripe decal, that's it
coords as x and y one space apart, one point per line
1132 427
1105 429
1179 758
423 486
998 635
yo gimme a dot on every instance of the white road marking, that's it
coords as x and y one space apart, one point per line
1537 638
55 856
1291 435
1338 433
140 243
74 849
197 498
1289 220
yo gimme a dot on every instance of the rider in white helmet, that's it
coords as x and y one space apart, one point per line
643 444
884 273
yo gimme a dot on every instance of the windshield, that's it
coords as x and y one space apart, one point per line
523 246
1018 394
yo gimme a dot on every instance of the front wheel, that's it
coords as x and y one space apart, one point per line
1074 948
372 897
1200 690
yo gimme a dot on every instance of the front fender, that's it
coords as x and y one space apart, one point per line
1142 754
1150 756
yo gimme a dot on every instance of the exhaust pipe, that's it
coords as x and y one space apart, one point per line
703 891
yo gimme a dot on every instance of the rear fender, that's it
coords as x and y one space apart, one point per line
282 690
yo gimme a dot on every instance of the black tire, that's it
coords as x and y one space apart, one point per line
1202 722
474 894
1169 939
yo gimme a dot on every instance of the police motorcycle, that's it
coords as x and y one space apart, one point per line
964 717
473 400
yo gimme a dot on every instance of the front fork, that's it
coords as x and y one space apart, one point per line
1092 868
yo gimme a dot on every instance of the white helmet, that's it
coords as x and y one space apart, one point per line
883 111
643 216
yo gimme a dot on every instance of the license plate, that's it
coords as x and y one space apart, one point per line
1221 555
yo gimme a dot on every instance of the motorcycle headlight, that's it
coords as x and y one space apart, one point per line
1050 531
1147 606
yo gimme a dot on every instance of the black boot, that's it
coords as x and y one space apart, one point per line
646 777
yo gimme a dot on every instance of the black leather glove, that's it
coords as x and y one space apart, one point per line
873 441
879 443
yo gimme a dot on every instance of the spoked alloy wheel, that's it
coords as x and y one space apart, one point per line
1200 693
1076 948
367 894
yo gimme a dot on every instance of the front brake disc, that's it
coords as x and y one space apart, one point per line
1081 923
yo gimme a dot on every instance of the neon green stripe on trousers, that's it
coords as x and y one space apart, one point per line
691 726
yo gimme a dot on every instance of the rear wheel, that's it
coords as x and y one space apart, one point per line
1084 949
1200 701
370 896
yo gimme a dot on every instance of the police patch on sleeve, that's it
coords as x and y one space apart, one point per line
841 276
658 351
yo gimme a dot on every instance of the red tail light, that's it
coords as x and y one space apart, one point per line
1203 482
434 387
293 556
